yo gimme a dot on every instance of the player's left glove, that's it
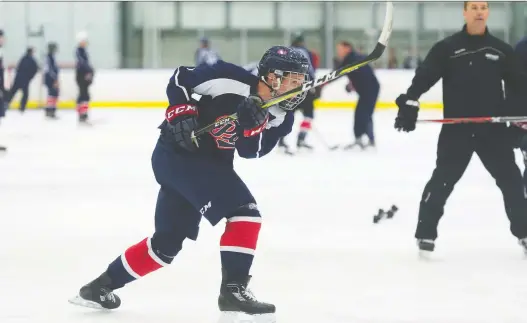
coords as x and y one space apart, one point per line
182 122
407 114
251 116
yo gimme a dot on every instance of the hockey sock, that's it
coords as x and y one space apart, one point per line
305 127
82 108
136 262
51 106
238 242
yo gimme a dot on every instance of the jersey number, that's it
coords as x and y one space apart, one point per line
225 135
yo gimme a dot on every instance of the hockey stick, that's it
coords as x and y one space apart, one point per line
373 56
475 120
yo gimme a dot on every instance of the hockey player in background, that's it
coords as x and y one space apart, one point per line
205 54
26 70
51 81
2 88
197 177
308 105
84 77
365 83
472 63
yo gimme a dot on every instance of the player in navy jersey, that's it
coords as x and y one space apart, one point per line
51 80
84 77
197 177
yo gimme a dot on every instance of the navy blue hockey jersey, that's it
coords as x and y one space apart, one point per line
51 70
222 87
83 65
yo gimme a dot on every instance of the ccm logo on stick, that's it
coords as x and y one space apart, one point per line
179 110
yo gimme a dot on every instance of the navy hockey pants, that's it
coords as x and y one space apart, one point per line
455 147
193 186
363 122
24 86
52 90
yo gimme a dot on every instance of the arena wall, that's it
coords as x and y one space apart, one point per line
140 88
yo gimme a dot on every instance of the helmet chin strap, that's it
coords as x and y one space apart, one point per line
274 91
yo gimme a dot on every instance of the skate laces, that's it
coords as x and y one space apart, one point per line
107 295
247 292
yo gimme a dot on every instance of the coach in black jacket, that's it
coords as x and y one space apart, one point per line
472 64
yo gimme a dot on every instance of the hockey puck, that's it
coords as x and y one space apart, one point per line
381 214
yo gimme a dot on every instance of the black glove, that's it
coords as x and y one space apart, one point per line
251 117
407 114
182 121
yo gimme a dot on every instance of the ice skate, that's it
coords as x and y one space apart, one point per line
51 114
3 149
97 295
83 120
359 143
237 304
523 243
426 247
282 145
301 142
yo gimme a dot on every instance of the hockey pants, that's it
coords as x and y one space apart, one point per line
455 147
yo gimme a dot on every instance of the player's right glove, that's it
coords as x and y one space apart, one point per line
407 114
182 121
251 116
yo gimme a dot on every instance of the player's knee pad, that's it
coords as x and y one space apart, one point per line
166 245
242 230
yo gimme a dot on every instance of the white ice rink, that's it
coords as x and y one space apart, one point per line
72 199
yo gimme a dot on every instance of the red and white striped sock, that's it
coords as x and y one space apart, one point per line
238 244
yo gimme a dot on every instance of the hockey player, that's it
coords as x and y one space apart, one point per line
84 77
365 83
197 177
308 105
51 80
2 89
25 72
472 64
205 54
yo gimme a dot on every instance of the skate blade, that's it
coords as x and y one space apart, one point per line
239 317
77 300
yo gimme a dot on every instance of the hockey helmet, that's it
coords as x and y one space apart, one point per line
288 65
52 47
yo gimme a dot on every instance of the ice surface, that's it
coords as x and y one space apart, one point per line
72 199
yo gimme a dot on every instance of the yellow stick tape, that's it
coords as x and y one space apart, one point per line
319 104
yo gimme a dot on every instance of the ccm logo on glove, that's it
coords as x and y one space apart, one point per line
180 110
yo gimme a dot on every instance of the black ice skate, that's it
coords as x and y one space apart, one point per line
83 120
426 247
359 144
301 142
3 149
236 297
284 146
97 295
51 114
